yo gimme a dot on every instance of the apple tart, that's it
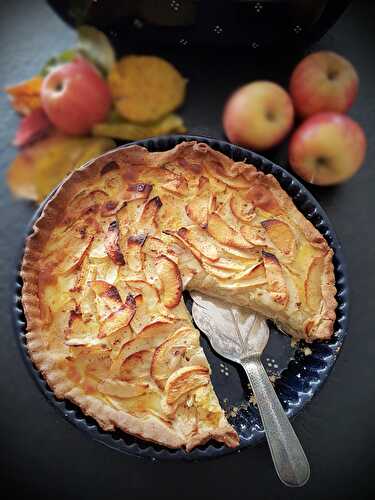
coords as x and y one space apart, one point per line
108 260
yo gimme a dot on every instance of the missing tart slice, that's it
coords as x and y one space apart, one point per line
103 280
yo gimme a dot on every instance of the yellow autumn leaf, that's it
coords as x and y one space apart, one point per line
25 96
146 88
128 131
39 168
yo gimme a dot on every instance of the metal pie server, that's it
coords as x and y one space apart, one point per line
241 336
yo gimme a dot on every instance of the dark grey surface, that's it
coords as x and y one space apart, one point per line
43 456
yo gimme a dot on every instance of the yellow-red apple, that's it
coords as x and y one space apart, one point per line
258 115
75 97
323 81
327 148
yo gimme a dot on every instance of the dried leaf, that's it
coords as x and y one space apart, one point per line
128 131
146 88
39 168
25 96
95 46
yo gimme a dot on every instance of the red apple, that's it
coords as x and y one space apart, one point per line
323 81
258 115
75 97
327 148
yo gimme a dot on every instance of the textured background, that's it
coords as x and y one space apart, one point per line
41 455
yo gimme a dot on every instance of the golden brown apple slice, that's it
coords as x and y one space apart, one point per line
255 273
228 264
254 235
150 293
217 186
150 273
217 272
281 235
140 191
143 315
218 172
253 277
276 282
84 203
197 209
200 240
155 245
149 212
122 389
224 234
65 252
120 318
111 207
134 252
178 185
150 337
242 209
170 277
137 366
111 243
184 380
313 283
108 298
168 356
262 198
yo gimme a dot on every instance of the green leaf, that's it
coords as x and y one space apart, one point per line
64 57
95 46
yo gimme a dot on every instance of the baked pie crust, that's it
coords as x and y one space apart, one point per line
108 260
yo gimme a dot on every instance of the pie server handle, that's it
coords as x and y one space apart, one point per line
288 456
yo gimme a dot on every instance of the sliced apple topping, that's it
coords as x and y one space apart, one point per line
178 185
134 252
170 278
217 186
150 293
155 245
197 209
242 209
254 235
184 380
150 212
111 243
262 198
224 234
84 203
140 191
66 251
313 283
122 389
276 282
255 273
168 356
218 172
108 298
119 318
150 337
253 277
217 272
200 240
137 366
111 207
228 264
281 236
